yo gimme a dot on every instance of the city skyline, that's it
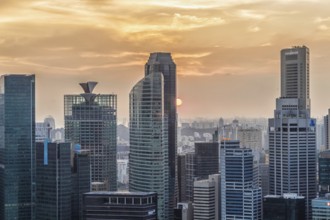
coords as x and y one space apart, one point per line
227 52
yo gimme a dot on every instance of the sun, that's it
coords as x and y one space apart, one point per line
178 102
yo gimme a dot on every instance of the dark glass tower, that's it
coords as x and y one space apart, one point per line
17 147
162 62
91 121
53 181
324 173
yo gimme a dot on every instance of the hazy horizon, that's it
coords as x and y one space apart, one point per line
227 52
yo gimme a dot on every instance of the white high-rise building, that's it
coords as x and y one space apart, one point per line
148 158
292 138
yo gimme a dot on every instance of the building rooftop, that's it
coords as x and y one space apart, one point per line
119 193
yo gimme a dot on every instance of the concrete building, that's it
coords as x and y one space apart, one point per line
91 121
148 158
240 191
184 211
290 206
250 138
17 147
207 198
292 132
120 205
264 178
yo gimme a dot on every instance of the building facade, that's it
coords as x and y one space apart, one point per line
292 132
17 147
120 205
163 63
240 191
53 185
91 121
290 206
324 173
148 158
321 208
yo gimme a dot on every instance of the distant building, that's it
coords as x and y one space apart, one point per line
324 173
17 147
250 138
321 208
286 207
53 185
181 162
240 191
206 198
327 130
91 121
264 178
206 159
184 211
120 205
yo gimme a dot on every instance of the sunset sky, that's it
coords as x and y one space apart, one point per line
226 51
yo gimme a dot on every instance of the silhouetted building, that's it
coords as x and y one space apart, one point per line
91 121
264 178
53 185
181 161
120 205
286 207
206 159
324 173
81 180
17 147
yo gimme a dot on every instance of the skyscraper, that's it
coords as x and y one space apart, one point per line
17 147
53 185
240 191
324 173
148 158
292 139
91 121
163 63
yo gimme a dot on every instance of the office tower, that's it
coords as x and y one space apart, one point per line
163 63
250 138
148 158
206 159
181 163
91 121
240 193
120 205
17 147
190 175
53 185
324 173
321 208
206 199
264 178
81 180
295 75
184 211
327 130
292 139
290 206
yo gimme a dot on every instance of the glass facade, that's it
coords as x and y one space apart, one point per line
91 121
17 147
148 159
53 181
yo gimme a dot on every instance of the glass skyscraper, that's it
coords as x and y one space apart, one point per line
91 121
148 159
292 131
163 63
17 147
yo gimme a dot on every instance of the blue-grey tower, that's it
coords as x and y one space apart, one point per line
163 63
148 159
17 147
292 131
91 122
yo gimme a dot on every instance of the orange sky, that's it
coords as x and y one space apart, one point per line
226 51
